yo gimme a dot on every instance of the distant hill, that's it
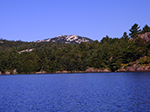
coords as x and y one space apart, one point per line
68 39
64 54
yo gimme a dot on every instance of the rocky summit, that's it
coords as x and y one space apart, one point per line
68 39
145 36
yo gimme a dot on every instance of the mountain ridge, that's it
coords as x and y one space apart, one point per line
68 39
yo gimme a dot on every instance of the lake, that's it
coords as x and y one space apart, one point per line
77 92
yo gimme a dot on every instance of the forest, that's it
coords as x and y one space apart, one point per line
110 53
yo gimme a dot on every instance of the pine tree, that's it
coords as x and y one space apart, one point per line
134 31
125 37
145 29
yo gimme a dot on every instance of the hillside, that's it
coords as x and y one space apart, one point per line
128 53
68 39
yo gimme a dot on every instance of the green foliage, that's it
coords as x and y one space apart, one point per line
145 29
144 60
125 37
134 31
51 57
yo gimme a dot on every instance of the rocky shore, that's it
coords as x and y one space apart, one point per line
131 67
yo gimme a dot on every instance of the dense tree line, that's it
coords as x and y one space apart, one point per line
51 57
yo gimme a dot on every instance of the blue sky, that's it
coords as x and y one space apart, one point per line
30 20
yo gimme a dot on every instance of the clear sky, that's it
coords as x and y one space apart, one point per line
30 20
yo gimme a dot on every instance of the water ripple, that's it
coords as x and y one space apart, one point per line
90 92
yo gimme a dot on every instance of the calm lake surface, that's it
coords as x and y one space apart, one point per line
82 92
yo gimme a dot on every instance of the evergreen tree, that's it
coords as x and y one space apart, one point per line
145 29
134 31
125 37
109 53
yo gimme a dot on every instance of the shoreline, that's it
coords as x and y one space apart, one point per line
73 72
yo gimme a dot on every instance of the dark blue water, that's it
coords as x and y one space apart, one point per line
86 92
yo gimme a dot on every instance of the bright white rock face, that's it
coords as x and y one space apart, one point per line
26 50
71 38
68 39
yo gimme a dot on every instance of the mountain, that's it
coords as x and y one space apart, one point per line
68 39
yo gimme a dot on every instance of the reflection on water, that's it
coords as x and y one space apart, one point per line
76 92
